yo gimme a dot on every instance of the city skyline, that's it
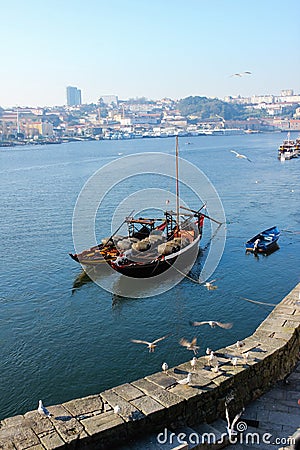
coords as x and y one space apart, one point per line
145 50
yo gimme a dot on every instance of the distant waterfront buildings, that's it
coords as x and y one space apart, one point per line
112 118
109 99
73 96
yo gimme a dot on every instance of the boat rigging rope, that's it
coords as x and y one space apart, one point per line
204 249
183 274
258 303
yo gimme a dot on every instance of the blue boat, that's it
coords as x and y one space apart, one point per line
264 242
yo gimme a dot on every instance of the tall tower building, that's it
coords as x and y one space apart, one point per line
73 96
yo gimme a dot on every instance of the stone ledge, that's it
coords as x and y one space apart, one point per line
148 404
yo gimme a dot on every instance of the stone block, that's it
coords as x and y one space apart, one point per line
84 406
148 405
16 421
161 379
38 423
127 410
102 422
24 438
163 396
128 391
52 441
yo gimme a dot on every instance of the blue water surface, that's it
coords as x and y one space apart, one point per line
62 337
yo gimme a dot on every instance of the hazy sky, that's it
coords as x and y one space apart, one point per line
151 48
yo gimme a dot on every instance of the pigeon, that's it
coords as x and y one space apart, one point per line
117 409
185 381
42 410
164 366
212 324
190 345
239 155
151 345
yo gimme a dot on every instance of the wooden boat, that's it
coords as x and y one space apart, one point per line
151 245
179 243
110 248
163 250
264 242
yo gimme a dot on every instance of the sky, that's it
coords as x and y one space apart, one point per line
143 48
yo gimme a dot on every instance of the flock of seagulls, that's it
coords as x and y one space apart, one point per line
212 359
212 362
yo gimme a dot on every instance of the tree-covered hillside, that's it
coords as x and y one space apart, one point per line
206 108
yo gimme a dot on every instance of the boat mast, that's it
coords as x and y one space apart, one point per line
177 185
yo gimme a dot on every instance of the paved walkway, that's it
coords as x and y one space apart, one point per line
271 422
276 413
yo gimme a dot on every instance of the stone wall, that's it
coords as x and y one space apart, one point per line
157 401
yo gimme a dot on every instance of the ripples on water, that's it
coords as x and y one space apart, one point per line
62 336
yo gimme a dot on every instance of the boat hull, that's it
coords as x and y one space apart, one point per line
264 242
181 262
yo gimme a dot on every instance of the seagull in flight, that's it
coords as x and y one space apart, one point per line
239 155
212 324
43 410
241 74
230 427
150 345
190 345
209 285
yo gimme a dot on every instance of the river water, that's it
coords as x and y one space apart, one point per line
62 337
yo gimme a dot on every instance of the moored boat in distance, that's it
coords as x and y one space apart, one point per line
288 149
264 242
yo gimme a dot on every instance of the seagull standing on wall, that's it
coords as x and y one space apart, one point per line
185 381
239 155
164 367
194 362
43 410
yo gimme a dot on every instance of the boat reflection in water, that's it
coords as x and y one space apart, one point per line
271 250
90 274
